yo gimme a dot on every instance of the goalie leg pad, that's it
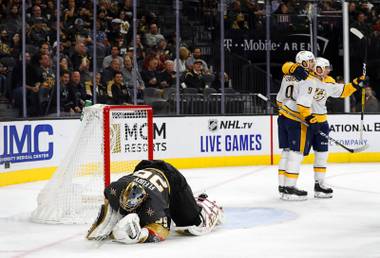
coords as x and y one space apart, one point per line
211 216
103 225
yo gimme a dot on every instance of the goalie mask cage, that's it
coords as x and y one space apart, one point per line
110 139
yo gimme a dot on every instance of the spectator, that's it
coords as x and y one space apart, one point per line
197 55
128 77
101 90
79 90
70 13
120 93
195 78
163 53
184 54
114 32
44 50
167 77
5 48
68 99
36 16
39 31
16 45
39 85
140 50
13 22
65 64
109 73
81 59
372 104
150 73
115 53
153 36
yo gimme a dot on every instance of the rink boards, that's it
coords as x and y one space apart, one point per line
31 150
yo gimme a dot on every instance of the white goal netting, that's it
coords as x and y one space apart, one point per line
107 142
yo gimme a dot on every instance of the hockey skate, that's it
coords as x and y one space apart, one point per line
322 191
281 189
291 193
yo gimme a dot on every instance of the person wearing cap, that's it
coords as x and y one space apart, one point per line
114 32
195 78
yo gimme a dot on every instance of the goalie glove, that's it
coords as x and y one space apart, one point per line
129 231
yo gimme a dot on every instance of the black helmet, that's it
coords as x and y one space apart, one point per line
132 196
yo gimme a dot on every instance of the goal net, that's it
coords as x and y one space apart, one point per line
111 139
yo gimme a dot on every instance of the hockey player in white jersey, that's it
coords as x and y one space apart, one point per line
318 110
305 62
309 105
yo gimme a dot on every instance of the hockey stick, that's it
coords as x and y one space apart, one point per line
360 149
360 35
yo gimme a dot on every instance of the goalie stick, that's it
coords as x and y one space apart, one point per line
360 149
360 35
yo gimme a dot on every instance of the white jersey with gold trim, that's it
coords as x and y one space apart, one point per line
286 92
314 93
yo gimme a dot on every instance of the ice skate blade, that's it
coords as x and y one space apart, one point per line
292 197
320 195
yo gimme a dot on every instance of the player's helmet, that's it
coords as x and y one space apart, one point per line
306 59
132 196
322 65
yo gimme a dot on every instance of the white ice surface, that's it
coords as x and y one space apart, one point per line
258 223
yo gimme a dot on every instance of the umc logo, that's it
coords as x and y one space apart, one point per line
26 144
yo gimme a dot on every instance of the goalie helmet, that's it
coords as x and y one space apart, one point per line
322 66
306 59
132 196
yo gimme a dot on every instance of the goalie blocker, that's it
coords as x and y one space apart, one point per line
139 207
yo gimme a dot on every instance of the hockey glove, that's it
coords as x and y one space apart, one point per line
299 72
360 82
129 231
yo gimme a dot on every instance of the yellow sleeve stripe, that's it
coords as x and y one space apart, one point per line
348 89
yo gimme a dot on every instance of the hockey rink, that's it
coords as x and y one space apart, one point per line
257 222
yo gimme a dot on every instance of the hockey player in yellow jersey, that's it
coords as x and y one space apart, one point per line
305 62
309 104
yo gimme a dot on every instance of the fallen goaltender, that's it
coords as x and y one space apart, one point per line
139 207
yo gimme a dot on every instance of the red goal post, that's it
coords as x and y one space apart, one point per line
107 113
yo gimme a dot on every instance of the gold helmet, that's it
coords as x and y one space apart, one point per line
132 196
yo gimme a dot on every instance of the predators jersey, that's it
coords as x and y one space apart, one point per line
313 93
310 96
285 93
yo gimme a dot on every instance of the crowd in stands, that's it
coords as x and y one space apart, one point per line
155 51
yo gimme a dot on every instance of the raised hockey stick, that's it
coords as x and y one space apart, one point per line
360 149
360 35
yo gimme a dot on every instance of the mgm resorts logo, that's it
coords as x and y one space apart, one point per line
115 138
214 124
